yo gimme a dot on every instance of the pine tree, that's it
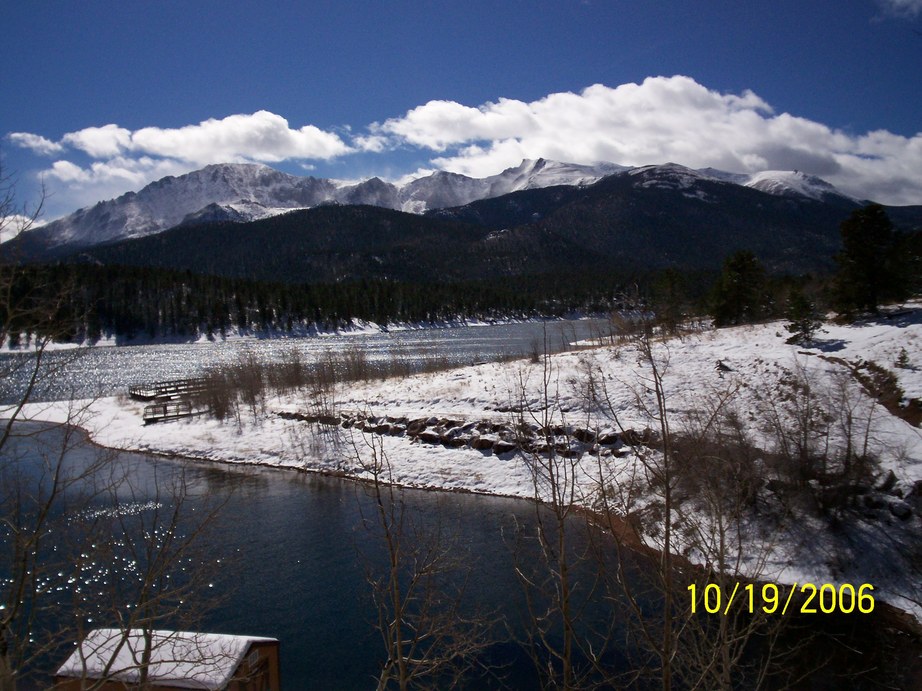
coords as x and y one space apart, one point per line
804 319
739 296
871 269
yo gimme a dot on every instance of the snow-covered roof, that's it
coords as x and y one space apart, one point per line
178 658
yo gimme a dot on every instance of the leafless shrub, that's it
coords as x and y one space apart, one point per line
822 435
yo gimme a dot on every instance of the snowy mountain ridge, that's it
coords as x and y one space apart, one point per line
242 192
792 184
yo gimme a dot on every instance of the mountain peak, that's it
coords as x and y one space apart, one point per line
793 184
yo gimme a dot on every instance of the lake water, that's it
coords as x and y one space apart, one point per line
106 371
290 552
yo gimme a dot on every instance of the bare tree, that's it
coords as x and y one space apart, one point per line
40 484
34 476
143 568
429 638
565 635
51 480
676 503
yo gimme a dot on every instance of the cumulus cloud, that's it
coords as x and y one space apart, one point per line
260 136
74 186
100 142
661 119
13 225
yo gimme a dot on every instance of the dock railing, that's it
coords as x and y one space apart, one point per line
173 398
167 389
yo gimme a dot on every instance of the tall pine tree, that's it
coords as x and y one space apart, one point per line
871 269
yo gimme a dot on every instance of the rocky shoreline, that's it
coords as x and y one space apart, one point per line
486 435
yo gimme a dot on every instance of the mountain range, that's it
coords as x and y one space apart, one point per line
252 221
245 192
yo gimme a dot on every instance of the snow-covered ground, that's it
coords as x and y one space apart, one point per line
755 364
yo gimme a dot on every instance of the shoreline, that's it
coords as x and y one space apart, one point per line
900 619
306 332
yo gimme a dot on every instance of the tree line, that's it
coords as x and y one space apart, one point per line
93 302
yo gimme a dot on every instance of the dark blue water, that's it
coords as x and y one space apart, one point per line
288 554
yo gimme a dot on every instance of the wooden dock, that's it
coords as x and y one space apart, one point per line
167 389
163 412
173 398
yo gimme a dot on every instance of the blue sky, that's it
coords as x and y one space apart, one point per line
102 97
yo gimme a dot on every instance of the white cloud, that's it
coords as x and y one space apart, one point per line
13 225
662 119
73 186
125 160
36 143
100 142
261 136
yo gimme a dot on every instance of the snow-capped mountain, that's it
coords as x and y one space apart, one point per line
245 192
779 183
795 183
249 191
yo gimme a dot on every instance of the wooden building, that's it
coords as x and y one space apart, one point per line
171 660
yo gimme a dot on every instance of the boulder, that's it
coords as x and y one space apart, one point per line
502 446
415 427
483 443
901 510
429 436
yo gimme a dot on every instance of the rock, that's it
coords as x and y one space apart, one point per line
777 486
874 501
429 436
901 510
609 439
634 438
483 443
502 446
587 436
415 427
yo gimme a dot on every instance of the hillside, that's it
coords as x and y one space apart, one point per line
330 244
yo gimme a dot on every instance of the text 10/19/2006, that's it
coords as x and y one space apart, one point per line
769 598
